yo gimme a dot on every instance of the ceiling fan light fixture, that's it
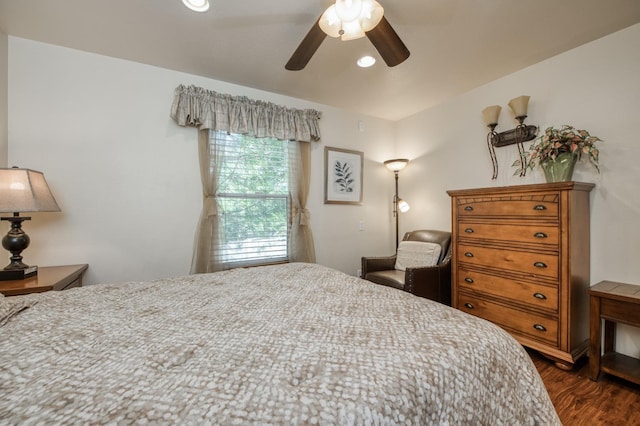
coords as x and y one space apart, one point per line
350 19
330 23
366 61
348 10
197 5
369 22
351 31
372 14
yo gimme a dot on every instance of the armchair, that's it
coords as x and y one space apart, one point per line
431 282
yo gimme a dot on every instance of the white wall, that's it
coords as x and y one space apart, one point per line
594 87
4 119
126 176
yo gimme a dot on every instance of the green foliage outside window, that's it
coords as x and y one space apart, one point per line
253 198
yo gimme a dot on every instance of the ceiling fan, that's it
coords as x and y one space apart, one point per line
351 19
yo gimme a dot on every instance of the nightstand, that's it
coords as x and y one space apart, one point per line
614 303
48 278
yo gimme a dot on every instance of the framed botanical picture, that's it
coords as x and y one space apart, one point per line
342 176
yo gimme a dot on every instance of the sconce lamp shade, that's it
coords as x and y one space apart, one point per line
490 114
25 190
403 206
396 165
519 105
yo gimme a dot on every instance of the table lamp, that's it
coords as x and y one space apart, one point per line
21 190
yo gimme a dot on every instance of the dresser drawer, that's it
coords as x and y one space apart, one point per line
529 294
530 263
531 325
520 233
540 205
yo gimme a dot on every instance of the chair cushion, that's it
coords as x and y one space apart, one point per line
391 278
417 254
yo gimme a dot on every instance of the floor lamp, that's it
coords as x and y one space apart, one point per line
399 205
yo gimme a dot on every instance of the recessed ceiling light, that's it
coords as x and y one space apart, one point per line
197 5
366 61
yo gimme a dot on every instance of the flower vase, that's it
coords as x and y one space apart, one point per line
560 169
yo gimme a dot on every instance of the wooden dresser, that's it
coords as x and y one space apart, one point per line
521 260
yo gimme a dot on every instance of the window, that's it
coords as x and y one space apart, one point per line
253 199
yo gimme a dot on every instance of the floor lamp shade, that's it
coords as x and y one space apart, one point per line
22 190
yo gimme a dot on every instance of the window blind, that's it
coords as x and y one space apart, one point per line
253 199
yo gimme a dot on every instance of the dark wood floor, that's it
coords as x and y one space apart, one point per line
581 401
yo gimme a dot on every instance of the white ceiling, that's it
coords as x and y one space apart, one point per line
455 45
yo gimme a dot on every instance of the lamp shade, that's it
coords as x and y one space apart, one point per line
490 114
25 190
396 165
348 10
330 23
372 14
519 105
351 31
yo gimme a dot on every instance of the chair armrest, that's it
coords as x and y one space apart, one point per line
373 264
433 282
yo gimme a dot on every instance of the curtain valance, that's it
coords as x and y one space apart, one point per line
206 109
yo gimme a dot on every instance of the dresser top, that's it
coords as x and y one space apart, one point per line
537 187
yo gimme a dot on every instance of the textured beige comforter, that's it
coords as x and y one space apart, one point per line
289 344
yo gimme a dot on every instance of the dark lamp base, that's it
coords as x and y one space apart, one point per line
18 274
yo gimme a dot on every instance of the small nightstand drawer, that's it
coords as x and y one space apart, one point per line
529 324
529 294
530 263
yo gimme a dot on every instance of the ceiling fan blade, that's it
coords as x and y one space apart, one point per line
386 41
308 46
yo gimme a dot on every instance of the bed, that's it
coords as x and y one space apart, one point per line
285 344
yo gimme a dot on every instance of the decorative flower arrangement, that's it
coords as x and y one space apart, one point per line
554 142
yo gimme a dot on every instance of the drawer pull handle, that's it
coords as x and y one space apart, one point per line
468 254
469 230
469 208
540 235
468 305
540 207
469 280
540 265
540 296
539 327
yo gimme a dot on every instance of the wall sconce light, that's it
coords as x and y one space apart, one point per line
521 133
22 190
399 205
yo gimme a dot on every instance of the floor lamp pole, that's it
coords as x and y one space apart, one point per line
395 208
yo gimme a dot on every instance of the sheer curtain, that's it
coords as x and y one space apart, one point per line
210 111
300 237
205 258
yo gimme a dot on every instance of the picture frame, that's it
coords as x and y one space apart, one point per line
343 172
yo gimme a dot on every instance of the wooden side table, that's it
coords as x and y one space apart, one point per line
612 302
48 278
